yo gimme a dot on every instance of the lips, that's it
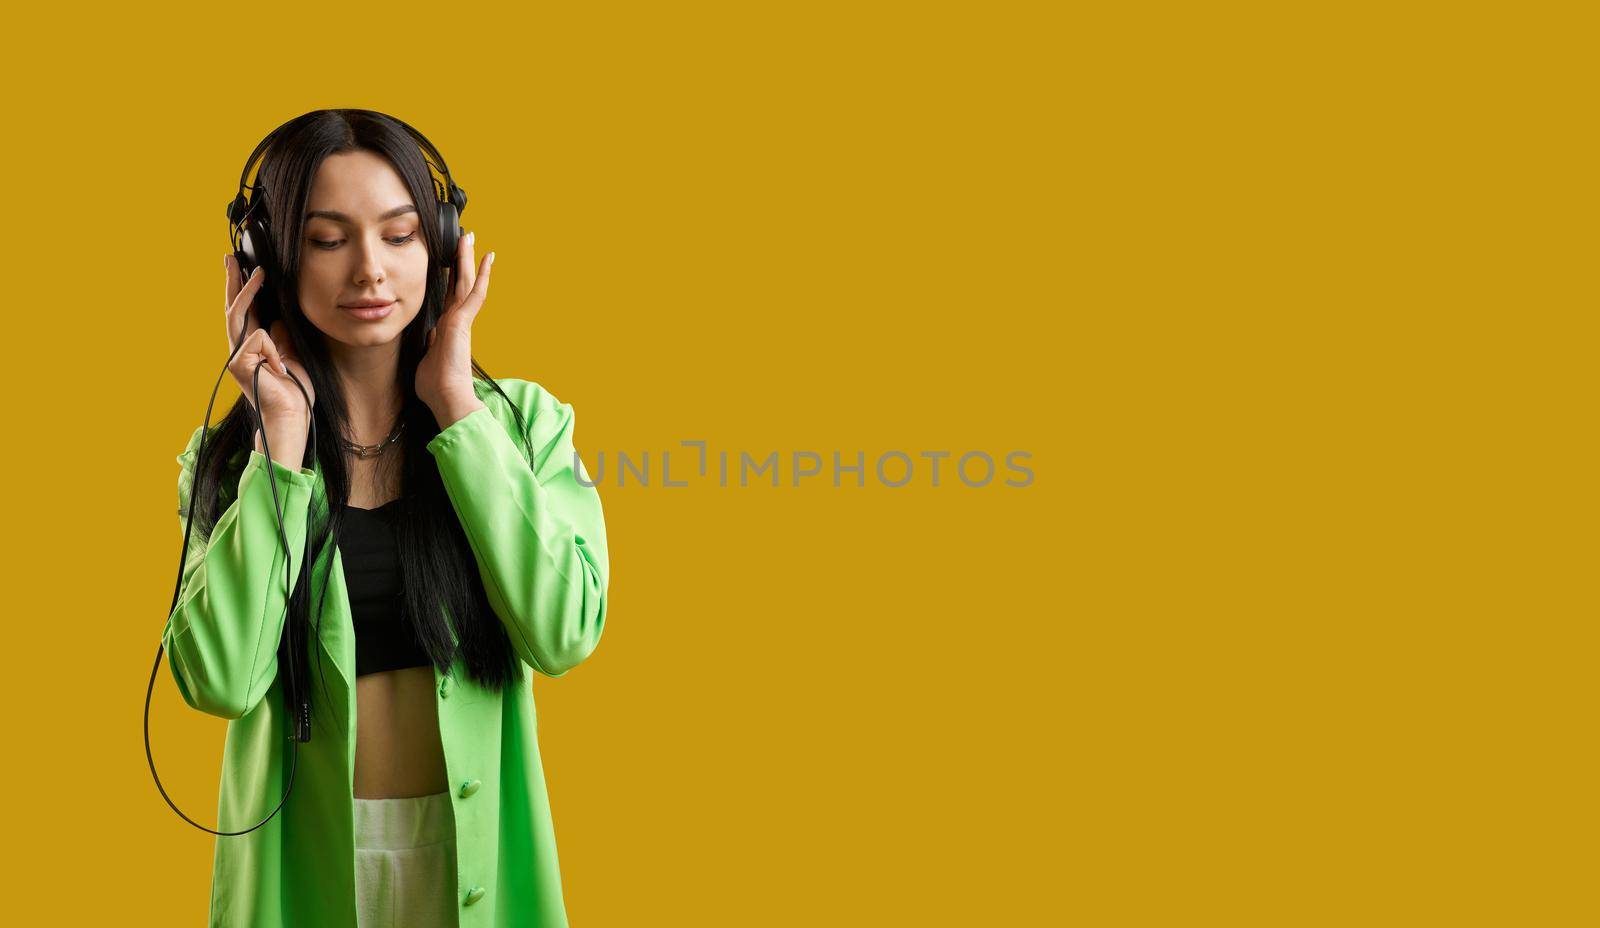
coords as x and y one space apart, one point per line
368 310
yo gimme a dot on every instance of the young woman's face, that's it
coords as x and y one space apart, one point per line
362 243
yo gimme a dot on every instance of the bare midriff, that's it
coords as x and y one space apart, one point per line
398 751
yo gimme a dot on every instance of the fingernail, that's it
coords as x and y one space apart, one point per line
469 238
491 257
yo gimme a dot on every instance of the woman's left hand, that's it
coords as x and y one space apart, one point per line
444 375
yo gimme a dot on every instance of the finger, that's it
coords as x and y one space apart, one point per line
240 304
230 279
230 290
250 354
464 262
480 289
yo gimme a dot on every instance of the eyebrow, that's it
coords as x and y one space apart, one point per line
341 217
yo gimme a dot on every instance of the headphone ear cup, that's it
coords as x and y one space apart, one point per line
449 231
255 243
247 247
246 264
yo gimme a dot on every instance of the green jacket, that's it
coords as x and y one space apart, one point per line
538 536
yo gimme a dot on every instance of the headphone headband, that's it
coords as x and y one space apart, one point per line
452 199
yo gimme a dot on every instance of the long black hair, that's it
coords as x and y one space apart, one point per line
441 579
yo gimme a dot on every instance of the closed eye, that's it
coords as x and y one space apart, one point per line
335 244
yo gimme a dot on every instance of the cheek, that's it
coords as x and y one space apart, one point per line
319 290
413 283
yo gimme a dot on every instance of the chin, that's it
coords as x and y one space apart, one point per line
370 335
368 339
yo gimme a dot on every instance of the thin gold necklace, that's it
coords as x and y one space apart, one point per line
372 451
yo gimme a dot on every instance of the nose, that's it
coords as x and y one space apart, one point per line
369 269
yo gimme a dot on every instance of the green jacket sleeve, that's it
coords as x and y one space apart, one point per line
222 639
537 531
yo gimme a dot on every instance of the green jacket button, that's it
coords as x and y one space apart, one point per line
474 894
470 787
444 688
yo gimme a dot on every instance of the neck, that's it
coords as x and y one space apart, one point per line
371 382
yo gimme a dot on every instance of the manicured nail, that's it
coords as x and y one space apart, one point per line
469 238
491 257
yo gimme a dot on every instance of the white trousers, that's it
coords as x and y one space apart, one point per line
406 862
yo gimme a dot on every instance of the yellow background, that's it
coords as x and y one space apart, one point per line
1281 298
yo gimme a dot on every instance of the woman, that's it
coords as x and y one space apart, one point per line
454 536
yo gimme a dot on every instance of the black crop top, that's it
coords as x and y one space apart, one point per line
367 547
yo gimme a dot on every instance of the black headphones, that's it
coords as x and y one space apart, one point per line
252 251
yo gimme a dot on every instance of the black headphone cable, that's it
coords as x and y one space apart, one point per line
302 721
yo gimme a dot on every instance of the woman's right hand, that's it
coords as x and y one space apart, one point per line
280 400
